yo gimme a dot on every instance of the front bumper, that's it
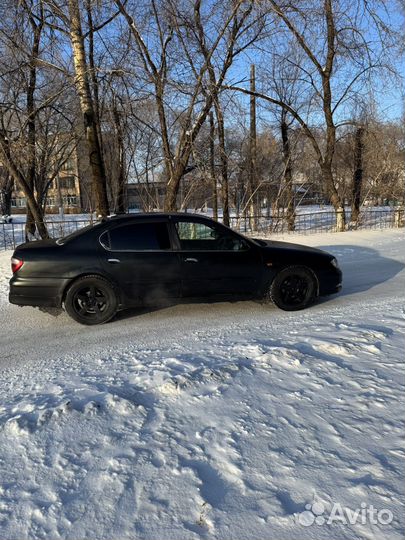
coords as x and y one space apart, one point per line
46 292
330 281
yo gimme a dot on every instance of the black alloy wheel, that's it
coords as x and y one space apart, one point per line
91 300
294 288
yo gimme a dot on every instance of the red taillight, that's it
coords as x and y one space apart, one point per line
16 264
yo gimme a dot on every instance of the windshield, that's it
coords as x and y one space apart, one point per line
259 242
256 241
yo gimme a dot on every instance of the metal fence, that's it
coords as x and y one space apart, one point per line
13 234
319 222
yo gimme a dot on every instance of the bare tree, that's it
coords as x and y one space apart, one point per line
283 80
335 32
150 81
18 124
179 30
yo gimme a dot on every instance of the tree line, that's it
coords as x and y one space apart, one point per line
230 92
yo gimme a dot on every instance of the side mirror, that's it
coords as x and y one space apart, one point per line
243 245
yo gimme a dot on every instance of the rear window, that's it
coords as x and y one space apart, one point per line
137 237
78 232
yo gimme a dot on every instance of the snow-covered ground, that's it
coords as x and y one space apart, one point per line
233 420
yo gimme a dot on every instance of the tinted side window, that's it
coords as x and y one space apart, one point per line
199 236
189 230
137 237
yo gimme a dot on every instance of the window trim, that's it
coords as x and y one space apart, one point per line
107 231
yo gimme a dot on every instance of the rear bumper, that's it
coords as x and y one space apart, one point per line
36 291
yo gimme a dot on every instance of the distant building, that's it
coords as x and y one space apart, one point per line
64 192
72 190
147 196
197 194
144 196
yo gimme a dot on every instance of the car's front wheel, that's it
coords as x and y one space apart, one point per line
91 300
294 288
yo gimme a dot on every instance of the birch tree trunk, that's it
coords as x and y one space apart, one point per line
30 226
87 108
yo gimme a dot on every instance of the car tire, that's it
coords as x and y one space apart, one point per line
294 288
91 300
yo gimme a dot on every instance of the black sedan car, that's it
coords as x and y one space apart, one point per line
143 259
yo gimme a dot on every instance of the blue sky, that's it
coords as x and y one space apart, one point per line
386 90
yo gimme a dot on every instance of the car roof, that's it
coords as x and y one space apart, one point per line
152 215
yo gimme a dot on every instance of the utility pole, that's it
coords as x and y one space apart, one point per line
252 151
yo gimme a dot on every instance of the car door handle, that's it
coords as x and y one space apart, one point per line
113 261
191 260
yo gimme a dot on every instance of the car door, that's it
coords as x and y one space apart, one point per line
140 258
216 261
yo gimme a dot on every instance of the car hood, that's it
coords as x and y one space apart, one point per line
288 247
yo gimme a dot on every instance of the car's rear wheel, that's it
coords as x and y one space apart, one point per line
294 288
91 300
